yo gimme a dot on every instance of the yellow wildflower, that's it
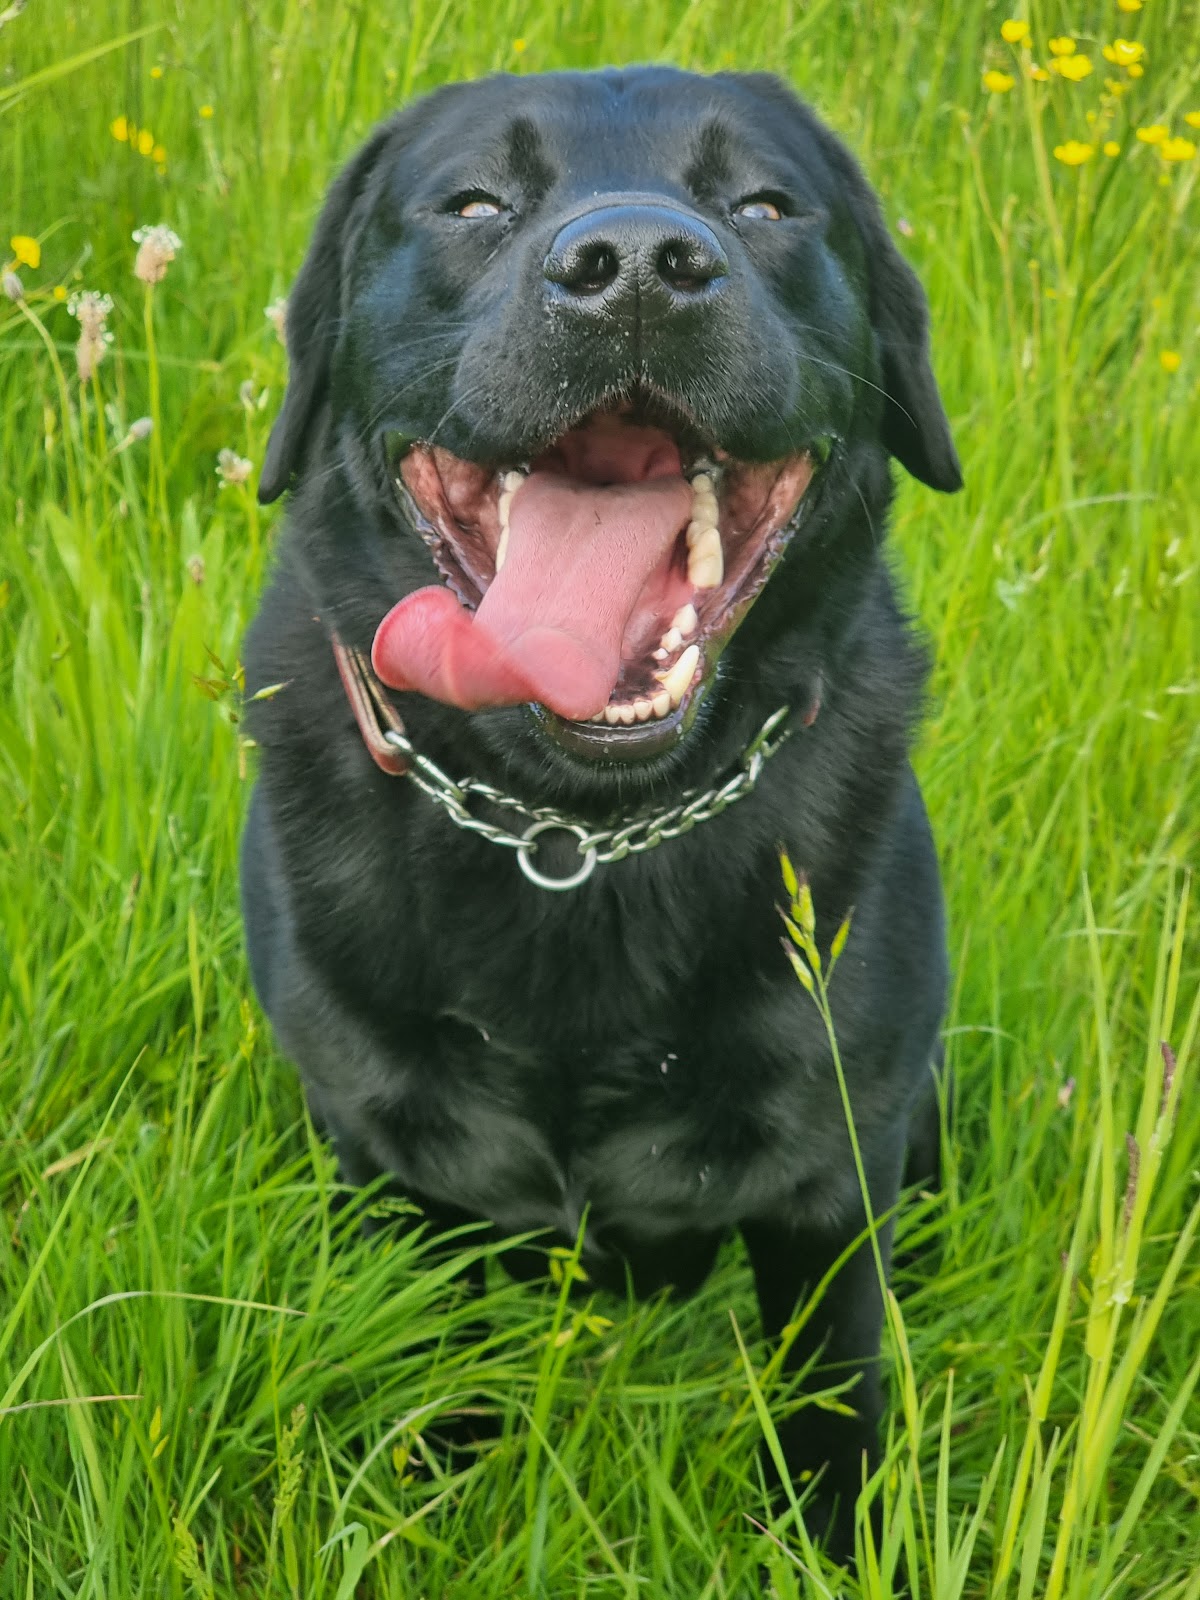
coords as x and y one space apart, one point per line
1111 147
1062 46
1013 31
1169 360
159 153
120 129
206 112
1177 150
1134 70
1038 74
1124 52
1071 67
519 46
1115 87
1130 5
60 293
145 142
1192 118
1074 153
1156 133
998 82
156 72
27 250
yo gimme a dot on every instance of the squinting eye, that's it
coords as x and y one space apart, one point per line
480 208
759 210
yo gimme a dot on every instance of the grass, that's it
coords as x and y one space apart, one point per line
209 1385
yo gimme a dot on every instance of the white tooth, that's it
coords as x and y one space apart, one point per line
686 620
502 547
642 710
627 714
612 714
706 574
702 483
706 563
671 640
660 654
661 703
680 676
512 481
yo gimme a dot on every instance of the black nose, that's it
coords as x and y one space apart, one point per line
622 254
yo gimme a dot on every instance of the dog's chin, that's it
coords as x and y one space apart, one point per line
597 580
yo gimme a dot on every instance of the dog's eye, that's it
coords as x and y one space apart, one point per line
759 208
474 206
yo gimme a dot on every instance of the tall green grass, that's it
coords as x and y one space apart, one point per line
209 1384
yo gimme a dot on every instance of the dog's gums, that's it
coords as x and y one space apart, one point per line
599 581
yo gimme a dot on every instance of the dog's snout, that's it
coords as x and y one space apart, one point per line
618 254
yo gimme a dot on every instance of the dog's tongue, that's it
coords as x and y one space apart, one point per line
551 624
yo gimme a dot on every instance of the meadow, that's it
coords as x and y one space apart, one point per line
210 1384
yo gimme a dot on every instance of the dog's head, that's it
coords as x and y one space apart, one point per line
602 335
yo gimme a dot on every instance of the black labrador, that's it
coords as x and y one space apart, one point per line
594 380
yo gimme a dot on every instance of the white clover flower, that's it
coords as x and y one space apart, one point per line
233 469
156 251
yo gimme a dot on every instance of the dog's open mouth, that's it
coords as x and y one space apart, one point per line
600 582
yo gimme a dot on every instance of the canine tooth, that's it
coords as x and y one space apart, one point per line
612 714
706 563
642 709
661 703
512 481
627 714
680 676
502 547
671 640
685 619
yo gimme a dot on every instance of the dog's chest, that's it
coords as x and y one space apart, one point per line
650 1135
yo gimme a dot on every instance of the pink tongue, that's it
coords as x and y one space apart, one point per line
551 624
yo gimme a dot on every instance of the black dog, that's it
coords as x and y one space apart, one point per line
594 381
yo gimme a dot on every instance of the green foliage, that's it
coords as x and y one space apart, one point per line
209 1384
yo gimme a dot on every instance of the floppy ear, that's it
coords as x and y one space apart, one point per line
914 428
314 311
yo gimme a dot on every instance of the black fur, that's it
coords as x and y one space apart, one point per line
638 1047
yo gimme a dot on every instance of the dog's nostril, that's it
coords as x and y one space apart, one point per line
585 267
597 268
686 265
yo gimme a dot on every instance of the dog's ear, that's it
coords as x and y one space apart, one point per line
914 428
314 311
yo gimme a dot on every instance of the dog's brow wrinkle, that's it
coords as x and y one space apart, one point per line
709 166
526 156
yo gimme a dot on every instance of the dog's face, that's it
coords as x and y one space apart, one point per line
604 335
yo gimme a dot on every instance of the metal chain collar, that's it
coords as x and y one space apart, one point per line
595 846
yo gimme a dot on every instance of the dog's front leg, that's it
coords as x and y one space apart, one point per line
841 1335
